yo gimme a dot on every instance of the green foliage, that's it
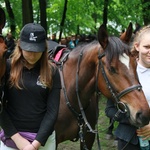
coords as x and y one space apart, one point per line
85 14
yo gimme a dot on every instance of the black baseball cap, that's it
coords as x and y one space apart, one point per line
33 38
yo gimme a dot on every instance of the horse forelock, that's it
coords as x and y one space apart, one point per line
115 48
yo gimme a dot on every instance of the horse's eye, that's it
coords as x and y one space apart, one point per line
112 70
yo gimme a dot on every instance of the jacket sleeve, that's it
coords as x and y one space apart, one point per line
6 124
47 125
5 121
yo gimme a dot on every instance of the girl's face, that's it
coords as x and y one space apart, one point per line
31 57
143 47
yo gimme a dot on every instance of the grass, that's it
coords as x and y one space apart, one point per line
103 123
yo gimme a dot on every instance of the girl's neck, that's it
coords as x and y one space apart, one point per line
29 66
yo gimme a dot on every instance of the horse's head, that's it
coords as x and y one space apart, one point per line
118 68
2 45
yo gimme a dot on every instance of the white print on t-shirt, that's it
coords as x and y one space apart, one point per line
39 83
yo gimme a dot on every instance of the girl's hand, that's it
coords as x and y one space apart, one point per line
144 132
30 147
33 146
20 141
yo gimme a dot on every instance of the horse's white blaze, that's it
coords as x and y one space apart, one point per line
125 60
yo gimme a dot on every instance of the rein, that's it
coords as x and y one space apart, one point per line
80 105
77 92
81 117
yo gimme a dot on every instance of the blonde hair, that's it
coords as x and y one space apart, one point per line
17 64
137 38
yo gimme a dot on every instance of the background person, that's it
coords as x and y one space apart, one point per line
10 42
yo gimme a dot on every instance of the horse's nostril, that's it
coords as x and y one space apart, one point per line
141 118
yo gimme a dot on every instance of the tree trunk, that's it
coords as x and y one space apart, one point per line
105 12
11 17
2 19
43 15
63 19
146 13
27 12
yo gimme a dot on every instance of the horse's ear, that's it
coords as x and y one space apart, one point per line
127 35
103 36
129 30
2 19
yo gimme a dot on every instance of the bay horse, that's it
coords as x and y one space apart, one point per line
106 66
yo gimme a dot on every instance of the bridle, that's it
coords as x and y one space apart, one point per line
116 96
122 108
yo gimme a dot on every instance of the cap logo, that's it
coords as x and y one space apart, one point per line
32 37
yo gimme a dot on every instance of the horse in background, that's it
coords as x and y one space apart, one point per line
127 36
104 66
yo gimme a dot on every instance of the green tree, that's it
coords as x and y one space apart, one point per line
27 11
11 17
81 17
43 15
146 12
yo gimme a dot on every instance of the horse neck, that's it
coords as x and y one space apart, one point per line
85 72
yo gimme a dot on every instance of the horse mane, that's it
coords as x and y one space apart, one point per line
85 46
115 48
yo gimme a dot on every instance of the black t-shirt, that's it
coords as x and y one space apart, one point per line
33 108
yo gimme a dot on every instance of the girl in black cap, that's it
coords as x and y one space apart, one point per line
32 94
